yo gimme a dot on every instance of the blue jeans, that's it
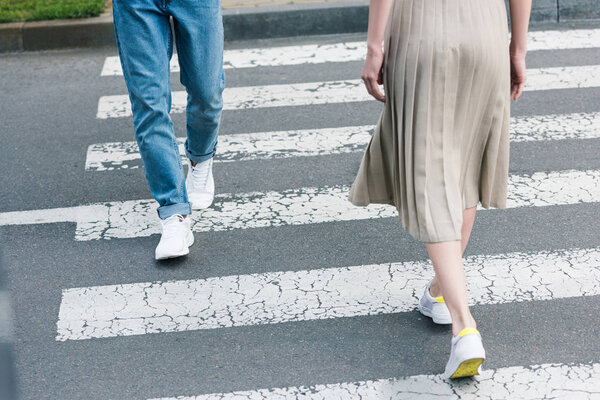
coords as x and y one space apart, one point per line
145 43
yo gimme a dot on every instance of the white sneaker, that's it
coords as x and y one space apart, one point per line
434 307
466 355
176 238
200 184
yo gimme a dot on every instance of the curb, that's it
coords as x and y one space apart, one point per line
296 20
57 34
251 23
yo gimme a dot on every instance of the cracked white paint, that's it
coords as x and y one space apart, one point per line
243 147
542 381
563 39
278 297
318 142
348 91
240 98
585 76
555 127
270 56
137 218
355 51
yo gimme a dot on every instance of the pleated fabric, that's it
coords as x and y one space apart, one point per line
442 143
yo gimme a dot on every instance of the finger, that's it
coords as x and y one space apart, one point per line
380 77
515 92
372 88
368 86
522 84
376 92
515 82
520 88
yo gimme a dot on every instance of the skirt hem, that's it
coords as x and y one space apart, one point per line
500 205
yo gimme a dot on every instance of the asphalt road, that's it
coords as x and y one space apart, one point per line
48 109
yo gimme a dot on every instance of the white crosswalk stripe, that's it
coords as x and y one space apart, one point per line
276 297
137 218
243 147
347 91
542 381
319 142
243 98
355 51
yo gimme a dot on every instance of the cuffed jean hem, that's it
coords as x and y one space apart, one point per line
199 159
165 212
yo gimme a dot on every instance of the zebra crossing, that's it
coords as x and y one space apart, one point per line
355 51
299 206
546 381
276 297
316 142
129 310
347 91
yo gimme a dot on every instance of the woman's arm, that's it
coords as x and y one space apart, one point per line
379 11
519 22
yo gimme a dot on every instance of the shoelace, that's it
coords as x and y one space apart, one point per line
171 224
200 174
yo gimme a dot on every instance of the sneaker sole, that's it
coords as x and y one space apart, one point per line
468 367
175 255
190 241
200 206
427 313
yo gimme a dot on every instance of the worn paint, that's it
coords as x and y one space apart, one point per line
321 142
356 51
277 297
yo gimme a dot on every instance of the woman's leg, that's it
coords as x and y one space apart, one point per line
449 279
468 221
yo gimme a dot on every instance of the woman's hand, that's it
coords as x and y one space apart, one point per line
372 74
520 11
518 74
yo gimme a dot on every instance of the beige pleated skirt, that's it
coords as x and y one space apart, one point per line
442 143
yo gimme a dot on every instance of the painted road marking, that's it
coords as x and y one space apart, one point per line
270 56
542 381
240 98
355 51
312 205
320 142
348 91
243 147
278 297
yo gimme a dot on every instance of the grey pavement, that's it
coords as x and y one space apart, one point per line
49 102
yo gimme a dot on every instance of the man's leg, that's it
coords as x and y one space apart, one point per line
145 45
199 38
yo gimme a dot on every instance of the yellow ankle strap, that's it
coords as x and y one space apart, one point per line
467 331
439 299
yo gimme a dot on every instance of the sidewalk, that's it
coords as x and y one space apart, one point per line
253 19
227 4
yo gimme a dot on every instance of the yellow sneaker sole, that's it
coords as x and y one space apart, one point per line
467 368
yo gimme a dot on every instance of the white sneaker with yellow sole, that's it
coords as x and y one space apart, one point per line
466 355
434 307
